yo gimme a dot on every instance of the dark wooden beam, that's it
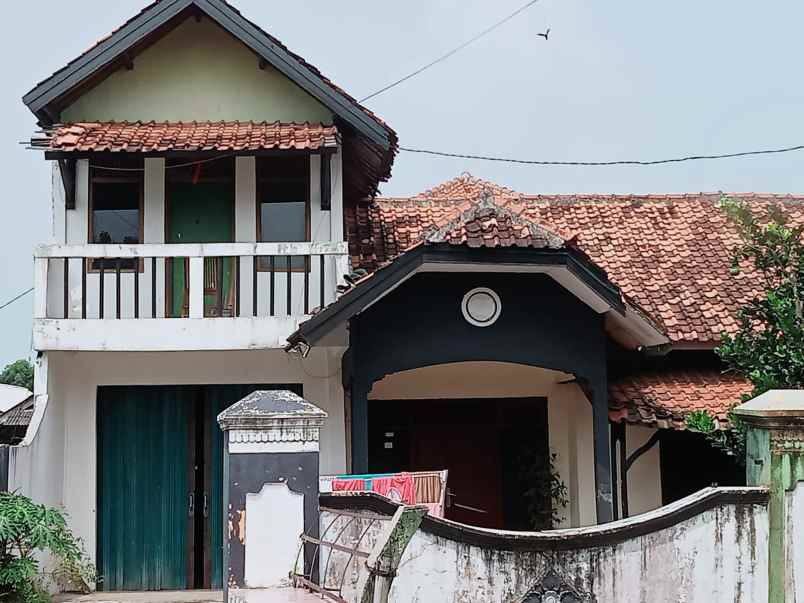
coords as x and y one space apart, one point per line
263 64
67 171
326 182
128 62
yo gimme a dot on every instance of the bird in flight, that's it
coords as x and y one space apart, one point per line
546 34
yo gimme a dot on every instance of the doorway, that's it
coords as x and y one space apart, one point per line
494 449
200 209
160 485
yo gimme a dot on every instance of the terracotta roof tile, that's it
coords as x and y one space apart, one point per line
489 224
663 399
186 136
670 254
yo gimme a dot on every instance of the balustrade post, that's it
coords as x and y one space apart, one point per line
196 287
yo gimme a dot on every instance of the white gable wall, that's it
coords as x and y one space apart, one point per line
197 72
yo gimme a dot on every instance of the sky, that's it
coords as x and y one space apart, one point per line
623 79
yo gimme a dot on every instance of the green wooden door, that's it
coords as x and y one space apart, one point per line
201 213
143 487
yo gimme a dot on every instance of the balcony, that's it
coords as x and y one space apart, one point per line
177 297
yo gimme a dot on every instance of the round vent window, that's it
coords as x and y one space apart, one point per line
481 307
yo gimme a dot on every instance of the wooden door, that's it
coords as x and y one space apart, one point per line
201 213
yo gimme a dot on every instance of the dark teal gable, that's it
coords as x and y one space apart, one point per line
420 323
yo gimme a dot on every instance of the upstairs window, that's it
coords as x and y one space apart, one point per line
283 204
115 209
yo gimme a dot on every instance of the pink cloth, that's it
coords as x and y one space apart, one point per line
399 488
348 485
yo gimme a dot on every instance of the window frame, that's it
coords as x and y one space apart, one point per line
130 177
261 184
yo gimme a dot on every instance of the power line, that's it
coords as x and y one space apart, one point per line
451 52
604 163
20 296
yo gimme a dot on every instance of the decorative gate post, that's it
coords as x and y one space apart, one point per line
775 458
270 475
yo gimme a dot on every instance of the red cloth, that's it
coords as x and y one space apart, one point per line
348 485
399 488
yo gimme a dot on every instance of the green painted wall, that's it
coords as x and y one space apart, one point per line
196 72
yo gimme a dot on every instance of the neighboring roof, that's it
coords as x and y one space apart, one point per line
671 254
11 395
664 398
19 415
192 136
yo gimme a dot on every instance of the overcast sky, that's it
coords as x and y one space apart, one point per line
616 80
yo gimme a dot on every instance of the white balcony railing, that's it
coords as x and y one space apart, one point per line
83 284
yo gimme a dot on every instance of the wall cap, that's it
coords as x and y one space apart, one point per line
777 409
265 410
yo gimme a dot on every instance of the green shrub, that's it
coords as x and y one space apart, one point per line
25 528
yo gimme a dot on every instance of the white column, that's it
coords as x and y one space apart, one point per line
153 233
40 288
336 181
246 225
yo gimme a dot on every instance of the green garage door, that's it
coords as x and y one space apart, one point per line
160 485
144 444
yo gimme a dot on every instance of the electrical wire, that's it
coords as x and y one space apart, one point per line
447 55
20 296
618 162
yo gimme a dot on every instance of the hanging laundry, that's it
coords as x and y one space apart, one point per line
399 488
348 485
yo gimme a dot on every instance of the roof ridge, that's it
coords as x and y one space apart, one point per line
440 234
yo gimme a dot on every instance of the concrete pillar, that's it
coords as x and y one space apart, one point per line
775 458
270 488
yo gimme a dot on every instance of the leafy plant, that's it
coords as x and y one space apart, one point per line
547 495
25 528
19 373
768 347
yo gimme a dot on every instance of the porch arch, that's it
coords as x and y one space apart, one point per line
420 324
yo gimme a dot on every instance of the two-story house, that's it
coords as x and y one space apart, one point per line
213 200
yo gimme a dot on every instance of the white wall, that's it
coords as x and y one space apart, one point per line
64 465
272 541
569 420
644 477
718 555
197 72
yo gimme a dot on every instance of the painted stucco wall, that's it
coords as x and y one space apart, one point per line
63 460
718 555
196 72
72 227
569 420
644 476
